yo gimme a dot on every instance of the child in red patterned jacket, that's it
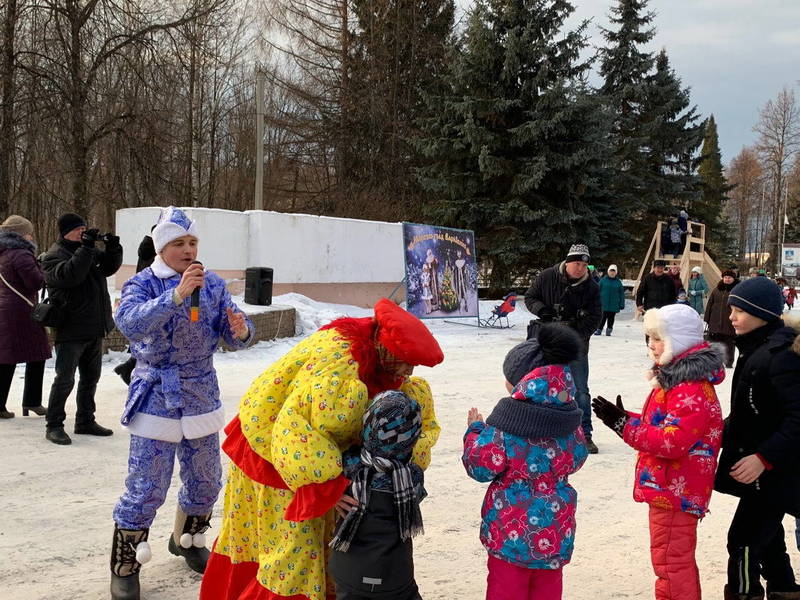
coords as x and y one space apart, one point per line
678 437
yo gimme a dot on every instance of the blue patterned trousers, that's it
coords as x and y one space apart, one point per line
150 466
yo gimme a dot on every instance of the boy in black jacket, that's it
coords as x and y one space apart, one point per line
760 461
372 553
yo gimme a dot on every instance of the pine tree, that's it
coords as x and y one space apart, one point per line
714 187
655 134
517 148
625 66
398 52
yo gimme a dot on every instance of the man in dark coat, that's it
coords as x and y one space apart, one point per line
566 293
146 252
146 256
656 289
75 274
760 460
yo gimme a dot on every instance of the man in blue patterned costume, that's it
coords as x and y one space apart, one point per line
173 402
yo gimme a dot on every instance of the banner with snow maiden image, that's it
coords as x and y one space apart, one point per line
441 273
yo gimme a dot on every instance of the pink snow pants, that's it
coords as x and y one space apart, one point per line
510 582
673 538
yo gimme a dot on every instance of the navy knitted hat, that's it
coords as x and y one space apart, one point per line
758 296
69 221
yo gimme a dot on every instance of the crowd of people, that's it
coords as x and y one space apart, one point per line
330 445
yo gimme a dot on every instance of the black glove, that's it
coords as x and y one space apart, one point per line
111 240
612 415
90 237
546 314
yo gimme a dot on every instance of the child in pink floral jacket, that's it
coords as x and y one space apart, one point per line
678 437
527 448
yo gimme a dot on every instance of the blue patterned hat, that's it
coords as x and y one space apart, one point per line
392 425
172 224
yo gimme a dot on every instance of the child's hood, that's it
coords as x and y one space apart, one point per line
541 405
701 363
547 385
793 321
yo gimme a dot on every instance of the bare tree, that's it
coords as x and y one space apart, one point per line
82 39
745 174
779 139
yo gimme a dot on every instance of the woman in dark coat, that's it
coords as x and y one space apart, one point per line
717 315
22 340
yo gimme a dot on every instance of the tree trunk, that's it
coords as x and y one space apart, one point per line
7 117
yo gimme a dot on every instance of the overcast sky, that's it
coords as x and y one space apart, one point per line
733 54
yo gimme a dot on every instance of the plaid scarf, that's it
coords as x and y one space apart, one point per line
392 425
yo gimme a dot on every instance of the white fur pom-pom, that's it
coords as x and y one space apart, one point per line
186 540
199 540
143 553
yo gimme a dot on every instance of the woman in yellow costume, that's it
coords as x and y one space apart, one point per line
286 449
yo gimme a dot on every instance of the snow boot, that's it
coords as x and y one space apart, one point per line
591 447
598 331
792 593
129 551
608 331
189 541
731 594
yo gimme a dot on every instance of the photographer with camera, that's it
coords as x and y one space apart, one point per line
565 293
75 274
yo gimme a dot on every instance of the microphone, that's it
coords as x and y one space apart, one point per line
194 303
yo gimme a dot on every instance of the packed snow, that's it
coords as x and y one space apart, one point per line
56 530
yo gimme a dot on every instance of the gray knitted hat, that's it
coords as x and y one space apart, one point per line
17 224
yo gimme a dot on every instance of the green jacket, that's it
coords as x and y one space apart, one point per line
612 294
700 287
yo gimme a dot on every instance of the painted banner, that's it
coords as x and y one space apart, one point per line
441 272
790 260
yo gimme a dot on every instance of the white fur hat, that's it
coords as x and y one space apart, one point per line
611 268
697 270
678 325
172 224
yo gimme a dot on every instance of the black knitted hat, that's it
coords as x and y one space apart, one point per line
69 221
553 345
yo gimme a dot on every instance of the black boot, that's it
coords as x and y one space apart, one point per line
129 550
790 592
189 541
125 369
58 436
591 447
730 594
93 428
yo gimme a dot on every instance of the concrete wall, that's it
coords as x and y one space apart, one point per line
346 261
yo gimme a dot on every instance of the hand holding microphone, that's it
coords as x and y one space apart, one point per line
190 284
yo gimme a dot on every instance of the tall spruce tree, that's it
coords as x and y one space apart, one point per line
709 207
398 52
517 149
655 134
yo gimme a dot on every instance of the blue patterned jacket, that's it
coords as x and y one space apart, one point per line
174 391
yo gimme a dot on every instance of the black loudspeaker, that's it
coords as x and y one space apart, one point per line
258 286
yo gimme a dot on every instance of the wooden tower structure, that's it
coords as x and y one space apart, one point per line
694 255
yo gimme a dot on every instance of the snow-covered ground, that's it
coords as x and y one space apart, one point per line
56 502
